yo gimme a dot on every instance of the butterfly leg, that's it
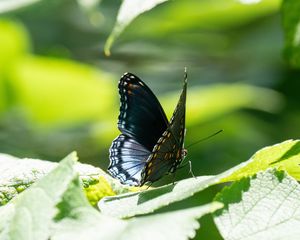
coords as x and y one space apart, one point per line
191 170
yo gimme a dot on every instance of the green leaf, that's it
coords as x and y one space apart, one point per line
266 206
85 222
291 27
128 11
285 156
175 225
78 220
18 174
220 15
132 204
30 215
128 205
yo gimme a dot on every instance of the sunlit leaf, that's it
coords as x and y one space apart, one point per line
16 175
132 204
285 156
177 225
22 218
291 26
174 225
266 206
77 220
129 10
205 14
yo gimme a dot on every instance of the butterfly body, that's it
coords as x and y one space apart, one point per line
150 146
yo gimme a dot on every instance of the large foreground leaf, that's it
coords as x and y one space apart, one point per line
29 216
128 205
175 225
78 220
89 224
18 174
132 204
285 155
266 206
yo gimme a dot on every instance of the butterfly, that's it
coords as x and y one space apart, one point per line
149 145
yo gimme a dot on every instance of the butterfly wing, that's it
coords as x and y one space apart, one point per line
141 115
167 153
127 159
142 121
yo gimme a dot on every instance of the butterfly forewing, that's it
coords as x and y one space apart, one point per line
141 115
167 153
141 121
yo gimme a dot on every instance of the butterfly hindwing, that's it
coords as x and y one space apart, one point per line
168 152
127 159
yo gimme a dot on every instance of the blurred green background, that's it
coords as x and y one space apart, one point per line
58 90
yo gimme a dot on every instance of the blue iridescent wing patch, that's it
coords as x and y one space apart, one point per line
127 159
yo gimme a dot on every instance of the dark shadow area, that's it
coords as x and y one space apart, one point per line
232 194
146 195
154 193
208 229
204 197
122 196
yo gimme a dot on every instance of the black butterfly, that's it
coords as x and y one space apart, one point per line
149 146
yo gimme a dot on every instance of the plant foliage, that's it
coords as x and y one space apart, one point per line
41 200
260 203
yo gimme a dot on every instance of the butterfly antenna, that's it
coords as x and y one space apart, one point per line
203 139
